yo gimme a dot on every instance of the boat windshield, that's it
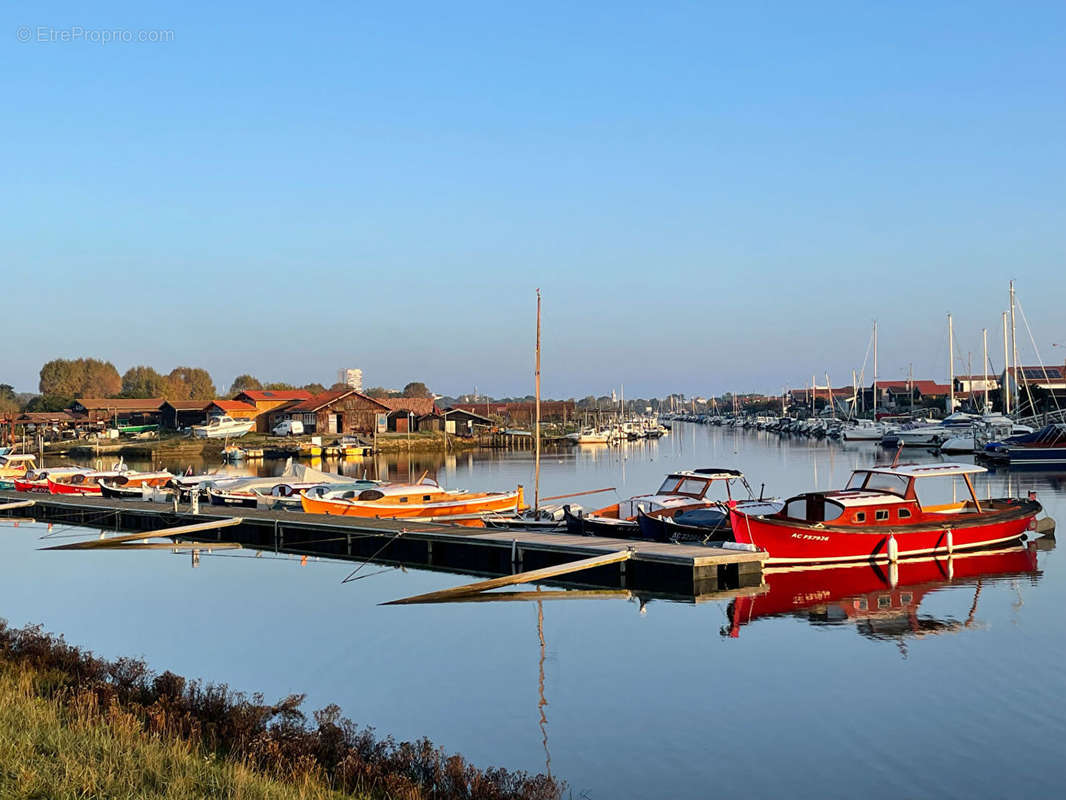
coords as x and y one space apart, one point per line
693 487
879 482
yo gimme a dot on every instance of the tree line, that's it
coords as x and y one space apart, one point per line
63 380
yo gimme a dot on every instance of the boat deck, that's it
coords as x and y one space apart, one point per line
683 571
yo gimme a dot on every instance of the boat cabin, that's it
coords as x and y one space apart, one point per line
882 496
696 483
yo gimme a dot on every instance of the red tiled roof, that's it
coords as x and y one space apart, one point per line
234 405
187 405
419 406
266 395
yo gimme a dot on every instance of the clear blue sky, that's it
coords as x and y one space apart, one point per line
711 197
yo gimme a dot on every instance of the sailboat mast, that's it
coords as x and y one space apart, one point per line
1014 344
1005 385
875 370
951 367
536 428
984 340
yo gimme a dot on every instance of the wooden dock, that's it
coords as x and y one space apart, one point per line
677 571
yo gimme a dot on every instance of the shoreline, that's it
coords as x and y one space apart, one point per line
194 735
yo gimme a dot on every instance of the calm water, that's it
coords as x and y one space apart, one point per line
825 685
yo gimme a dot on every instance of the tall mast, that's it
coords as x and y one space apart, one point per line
984 340
951 367
875 370
1014 344
1004 388
536 427
829 393
854 394
814 397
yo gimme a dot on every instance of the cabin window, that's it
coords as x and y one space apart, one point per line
904 513
796 509
886 482
881 515
906 598
403 499
669 486
425 497
832 511
860 516
884 601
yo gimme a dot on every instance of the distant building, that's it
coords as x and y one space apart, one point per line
352 378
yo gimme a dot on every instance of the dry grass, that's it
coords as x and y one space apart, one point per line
68 747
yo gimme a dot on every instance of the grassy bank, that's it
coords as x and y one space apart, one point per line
68 747
421 442
76 726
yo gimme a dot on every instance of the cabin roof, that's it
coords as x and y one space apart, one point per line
926 470
710 474
859 499
232 405
13 457
120 403
419 406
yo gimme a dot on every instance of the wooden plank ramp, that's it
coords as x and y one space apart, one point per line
530 576
116 541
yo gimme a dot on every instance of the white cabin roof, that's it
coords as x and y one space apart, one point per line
11 458
926 470
852 499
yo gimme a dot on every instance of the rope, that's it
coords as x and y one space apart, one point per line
354 572
1038 358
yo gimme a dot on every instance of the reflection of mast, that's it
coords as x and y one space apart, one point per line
541 701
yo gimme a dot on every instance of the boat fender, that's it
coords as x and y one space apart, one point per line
746 547
893 549
950 542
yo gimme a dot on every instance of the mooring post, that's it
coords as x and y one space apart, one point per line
194 502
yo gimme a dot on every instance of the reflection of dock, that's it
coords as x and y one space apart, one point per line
682 572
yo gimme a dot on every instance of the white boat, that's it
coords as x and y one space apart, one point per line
589 436
991 428
223 427
864 430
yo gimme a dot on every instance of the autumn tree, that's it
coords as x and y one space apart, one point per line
9 403
190 383
377 392
82 377
279 386
314 388
416 389
244 383
143 381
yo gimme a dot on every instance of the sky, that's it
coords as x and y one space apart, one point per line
711 197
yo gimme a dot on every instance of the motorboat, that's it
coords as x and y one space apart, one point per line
990 428
134 485
681 491
590 436
864 430
425 500
957 424
1046 446
710 526
35 481
15 465
878 517
223 427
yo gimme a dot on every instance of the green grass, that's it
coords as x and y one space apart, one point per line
68 748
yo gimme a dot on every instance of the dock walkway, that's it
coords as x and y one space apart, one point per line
682 571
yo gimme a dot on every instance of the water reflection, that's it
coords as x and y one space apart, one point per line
883 601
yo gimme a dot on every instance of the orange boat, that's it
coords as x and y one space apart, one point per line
405 500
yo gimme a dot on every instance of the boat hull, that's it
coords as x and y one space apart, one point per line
790 542
508 501
92 490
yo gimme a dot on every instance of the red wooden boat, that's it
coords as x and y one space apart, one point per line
883 598
878 517
36 480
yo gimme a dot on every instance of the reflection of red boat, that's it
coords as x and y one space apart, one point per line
879 517
882 597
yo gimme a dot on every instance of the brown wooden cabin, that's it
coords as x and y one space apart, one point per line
338 412
267 400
